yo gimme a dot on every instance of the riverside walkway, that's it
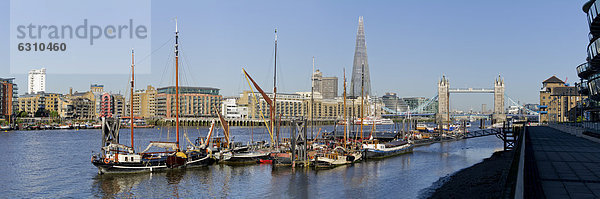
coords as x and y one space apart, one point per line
561 165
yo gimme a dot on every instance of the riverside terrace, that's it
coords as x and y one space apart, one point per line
561 161
553 161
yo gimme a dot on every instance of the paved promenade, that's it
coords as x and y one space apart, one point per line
567 166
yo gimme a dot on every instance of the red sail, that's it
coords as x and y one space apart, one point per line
267 99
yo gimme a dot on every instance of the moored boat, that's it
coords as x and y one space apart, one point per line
336 157
119 158
373 149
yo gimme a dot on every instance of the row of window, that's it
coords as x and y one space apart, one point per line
592 12
594 48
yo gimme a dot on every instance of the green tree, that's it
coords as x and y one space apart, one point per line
53 114
23 114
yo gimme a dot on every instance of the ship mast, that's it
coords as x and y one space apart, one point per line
312 101
131 126
177 82
273 110
362 98
345 116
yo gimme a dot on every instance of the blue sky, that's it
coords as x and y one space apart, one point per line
410 45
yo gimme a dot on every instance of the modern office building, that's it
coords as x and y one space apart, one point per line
8 98
193 102
231 110
393 102
415 102
327 86
589 72
361 62
36 81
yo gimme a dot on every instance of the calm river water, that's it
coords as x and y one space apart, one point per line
56 164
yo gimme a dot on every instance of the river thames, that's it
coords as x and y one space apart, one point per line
56 164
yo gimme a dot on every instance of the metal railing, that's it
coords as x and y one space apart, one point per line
595 126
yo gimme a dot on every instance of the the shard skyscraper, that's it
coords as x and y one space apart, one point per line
360 59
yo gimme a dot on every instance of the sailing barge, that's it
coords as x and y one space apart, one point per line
119 158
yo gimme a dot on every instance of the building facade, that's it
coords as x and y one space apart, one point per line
327 86
77 106
83 109
361 62
106 105
9 103
588 72
558 102
97 88
298 105
40 104
36 81
193 102
230 109
144 102
393 102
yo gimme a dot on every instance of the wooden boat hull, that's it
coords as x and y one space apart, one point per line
156 165
423 142
243 158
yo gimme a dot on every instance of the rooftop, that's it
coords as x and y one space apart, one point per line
553 79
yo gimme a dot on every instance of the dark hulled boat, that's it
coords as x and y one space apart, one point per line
118 158
373 150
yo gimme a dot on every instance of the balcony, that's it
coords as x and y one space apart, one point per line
592 9
583 88
593 55
584 70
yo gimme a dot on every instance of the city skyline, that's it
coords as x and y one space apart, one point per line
408 51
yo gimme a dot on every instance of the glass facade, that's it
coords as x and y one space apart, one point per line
592 12
588 72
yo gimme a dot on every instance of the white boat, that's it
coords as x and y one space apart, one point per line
371 120
64 127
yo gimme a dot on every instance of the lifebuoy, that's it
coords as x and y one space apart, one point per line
107 160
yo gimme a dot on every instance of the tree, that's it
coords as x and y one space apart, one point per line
53 114
23 114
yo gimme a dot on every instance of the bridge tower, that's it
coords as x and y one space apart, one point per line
499 116
443 101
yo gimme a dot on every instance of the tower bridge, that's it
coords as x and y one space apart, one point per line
444 90
471 90
443 98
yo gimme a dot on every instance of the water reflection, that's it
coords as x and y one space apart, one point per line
397 177
119 185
